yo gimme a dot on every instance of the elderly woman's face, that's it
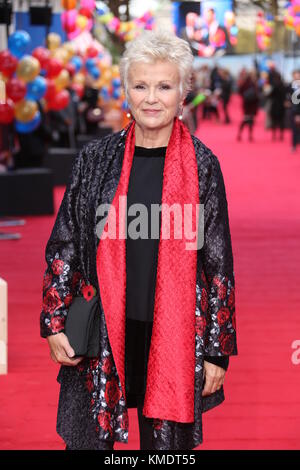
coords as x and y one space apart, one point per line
153 93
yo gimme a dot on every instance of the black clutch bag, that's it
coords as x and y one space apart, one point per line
82 326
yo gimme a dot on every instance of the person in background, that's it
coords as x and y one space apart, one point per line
33 144
226 87
275 93
293 104
248 89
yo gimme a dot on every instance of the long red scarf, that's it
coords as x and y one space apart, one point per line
171 363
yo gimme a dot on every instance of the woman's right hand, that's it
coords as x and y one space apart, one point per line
61 351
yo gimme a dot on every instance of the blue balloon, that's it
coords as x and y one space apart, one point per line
116 82
26 127
18 43
125 105
116 93
94 72
90 63
104 93
77 62
36 89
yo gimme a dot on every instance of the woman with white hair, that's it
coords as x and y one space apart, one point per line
167 310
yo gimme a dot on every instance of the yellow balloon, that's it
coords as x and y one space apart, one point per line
107 75
61 54
81 21
62 80
79 78
70 48
28 68
115 73
53 41
25 110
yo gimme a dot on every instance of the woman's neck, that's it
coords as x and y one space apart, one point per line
150 138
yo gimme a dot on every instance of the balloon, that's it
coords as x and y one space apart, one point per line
68 20
25 110
77 62
61 54
116 93
8 63
51 89
28 68
90 63
79 78
81 21
53 41
36 89
88 4
26 127
60 100
42 55
71 69
18 43
85 12
68 4
116 82
54 67
79 89
91 51
62 80
70 48
6 112
94 72
16 89
115 73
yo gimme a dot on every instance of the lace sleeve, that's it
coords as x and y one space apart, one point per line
62 275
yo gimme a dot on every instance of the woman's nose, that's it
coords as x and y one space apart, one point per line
151 96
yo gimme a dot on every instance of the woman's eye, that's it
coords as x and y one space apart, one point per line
165 87
139 87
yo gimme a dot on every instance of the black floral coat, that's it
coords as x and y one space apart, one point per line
91 403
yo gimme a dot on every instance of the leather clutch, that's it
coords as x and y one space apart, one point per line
82 326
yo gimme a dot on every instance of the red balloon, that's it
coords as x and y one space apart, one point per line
53 67
60 101
8 63
78 88
51 89
42 55
16 89
7 112
71 69
91 51
85 12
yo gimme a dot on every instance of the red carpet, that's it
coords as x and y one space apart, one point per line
262 385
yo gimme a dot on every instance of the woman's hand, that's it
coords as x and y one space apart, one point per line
214 378
61 350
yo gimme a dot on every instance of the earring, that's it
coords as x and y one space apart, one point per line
128 115
180 115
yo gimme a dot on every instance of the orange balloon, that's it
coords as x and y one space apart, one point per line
28 68
25 110
62 80
79 78
68 4
61 54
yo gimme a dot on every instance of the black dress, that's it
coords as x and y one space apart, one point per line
145 187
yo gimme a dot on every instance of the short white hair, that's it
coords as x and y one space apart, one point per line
151 46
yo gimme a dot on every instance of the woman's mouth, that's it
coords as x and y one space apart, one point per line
151 111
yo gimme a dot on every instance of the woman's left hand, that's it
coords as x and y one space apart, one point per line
214 378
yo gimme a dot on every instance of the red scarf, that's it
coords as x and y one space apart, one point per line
171 363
